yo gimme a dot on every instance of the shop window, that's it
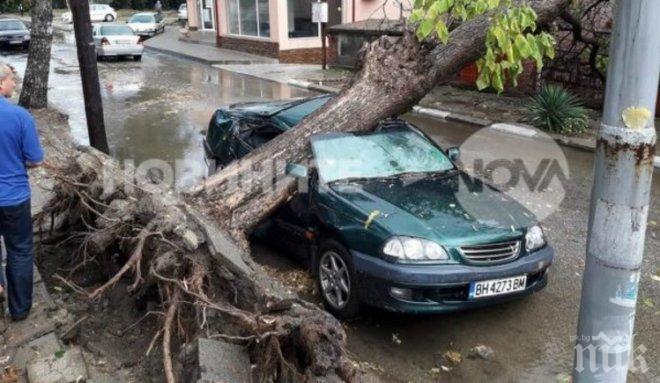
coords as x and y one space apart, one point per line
248 17
300 19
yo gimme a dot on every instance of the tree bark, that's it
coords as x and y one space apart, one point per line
89 75
395 75
34 93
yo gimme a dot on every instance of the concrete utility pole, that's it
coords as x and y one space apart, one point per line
620 196
89 74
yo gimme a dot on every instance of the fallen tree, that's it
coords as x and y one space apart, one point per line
194 250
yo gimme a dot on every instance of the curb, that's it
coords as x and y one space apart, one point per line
199 59
312 86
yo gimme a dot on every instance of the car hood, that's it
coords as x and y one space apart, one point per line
442 209
16 32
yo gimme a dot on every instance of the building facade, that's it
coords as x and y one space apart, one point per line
282 29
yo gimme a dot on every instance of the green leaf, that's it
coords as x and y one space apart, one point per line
500 35
416 15
443 5
425 28
497 82
442 32
522 46
483 81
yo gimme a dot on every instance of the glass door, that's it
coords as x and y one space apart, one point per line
208 17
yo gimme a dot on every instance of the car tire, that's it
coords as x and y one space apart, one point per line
109 18
338 290
137 57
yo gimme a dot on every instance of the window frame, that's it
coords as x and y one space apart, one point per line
240 27
318 26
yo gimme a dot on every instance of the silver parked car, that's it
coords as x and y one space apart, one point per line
147 23
116 40
14 33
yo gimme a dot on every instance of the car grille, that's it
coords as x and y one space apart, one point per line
491 253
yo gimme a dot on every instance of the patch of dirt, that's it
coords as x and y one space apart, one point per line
114 332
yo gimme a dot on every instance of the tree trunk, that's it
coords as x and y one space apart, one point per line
35 82
395 75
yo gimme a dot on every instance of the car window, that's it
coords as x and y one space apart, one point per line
380 154
12 25
116 30
292 116
142 19
94 7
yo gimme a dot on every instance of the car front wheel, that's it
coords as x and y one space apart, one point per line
109 18
337 281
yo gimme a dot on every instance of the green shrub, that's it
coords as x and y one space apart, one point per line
557 110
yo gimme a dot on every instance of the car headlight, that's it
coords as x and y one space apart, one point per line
409 249
534 239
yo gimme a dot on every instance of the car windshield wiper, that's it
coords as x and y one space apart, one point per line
434 173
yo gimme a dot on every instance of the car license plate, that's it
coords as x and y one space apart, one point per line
493 287
15 42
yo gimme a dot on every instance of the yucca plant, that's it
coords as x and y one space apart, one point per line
557 110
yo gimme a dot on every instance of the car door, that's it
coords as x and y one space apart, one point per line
94 12
294 221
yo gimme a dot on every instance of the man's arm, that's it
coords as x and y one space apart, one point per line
33 154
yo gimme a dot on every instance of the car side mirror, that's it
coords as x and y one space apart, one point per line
454 153
297 171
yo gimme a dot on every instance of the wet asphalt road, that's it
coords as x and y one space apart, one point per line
155 109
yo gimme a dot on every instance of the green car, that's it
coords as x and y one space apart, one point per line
388 220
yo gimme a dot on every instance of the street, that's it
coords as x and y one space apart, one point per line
157 109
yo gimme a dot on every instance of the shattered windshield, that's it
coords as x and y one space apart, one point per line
381 154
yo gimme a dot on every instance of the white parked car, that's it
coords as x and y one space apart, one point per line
116 40
183 12
97 12
147 23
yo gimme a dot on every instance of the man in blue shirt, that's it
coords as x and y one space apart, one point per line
19 150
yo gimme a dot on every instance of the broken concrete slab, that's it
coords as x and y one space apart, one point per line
20 333
41 347
221 247
65 366
215 361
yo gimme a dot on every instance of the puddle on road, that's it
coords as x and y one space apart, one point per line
156 109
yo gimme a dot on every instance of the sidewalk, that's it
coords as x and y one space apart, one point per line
169 42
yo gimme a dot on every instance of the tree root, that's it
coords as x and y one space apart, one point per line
289 339
167 335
